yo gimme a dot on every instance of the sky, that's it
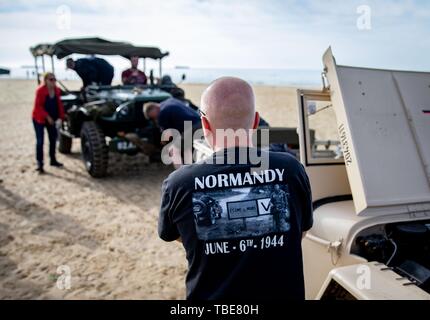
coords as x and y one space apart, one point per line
269 34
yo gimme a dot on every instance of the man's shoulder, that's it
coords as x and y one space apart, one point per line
82 61
283 157
184 174
171 103
284 160
101 60
83 64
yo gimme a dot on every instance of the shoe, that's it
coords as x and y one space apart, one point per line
40 170
56 164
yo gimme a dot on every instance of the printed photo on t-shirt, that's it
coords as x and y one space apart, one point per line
241 212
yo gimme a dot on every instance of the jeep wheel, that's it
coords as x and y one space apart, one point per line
64 144
94 149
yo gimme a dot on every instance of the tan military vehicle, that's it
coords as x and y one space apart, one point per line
375 245
365 143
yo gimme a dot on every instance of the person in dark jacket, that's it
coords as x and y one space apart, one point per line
48 108
92 70
173 114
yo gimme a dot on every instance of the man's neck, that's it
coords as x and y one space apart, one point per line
247 144
221 139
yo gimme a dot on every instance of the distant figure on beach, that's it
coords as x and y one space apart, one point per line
48 109
133 75
92 70
248 252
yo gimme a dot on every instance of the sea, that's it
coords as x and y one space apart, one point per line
269 77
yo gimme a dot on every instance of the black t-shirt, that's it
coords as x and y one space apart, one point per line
105 71
94 70
241 229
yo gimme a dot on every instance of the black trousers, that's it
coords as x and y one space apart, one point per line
52 135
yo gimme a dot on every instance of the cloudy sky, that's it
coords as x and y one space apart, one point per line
231 33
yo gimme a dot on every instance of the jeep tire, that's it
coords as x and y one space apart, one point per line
95 153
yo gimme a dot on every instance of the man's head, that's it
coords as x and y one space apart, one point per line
277 187
70 63
151 110
228 103
134 61
178 93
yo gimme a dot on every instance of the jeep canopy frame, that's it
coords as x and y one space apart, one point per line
92 46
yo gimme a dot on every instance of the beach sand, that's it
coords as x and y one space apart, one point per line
104 230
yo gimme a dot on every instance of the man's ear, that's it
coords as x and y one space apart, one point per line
205 124
256 120
207 131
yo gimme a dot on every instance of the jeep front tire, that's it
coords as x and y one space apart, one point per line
94 149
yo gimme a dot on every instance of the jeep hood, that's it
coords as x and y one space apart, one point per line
383 119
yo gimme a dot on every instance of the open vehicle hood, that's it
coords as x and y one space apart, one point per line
383 119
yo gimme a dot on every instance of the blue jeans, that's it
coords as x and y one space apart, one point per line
52 135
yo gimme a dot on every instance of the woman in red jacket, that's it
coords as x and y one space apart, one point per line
48 108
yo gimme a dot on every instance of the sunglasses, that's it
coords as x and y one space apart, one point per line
52 79
201 112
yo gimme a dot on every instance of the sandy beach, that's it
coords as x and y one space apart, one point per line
104 230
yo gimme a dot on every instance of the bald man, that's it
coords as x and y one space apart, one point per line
237 246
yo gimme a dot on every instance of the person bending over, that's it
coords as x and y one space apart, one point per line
172 114
92 70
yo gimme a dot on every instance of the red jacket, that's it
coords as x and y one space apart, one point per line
39 112
133 76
